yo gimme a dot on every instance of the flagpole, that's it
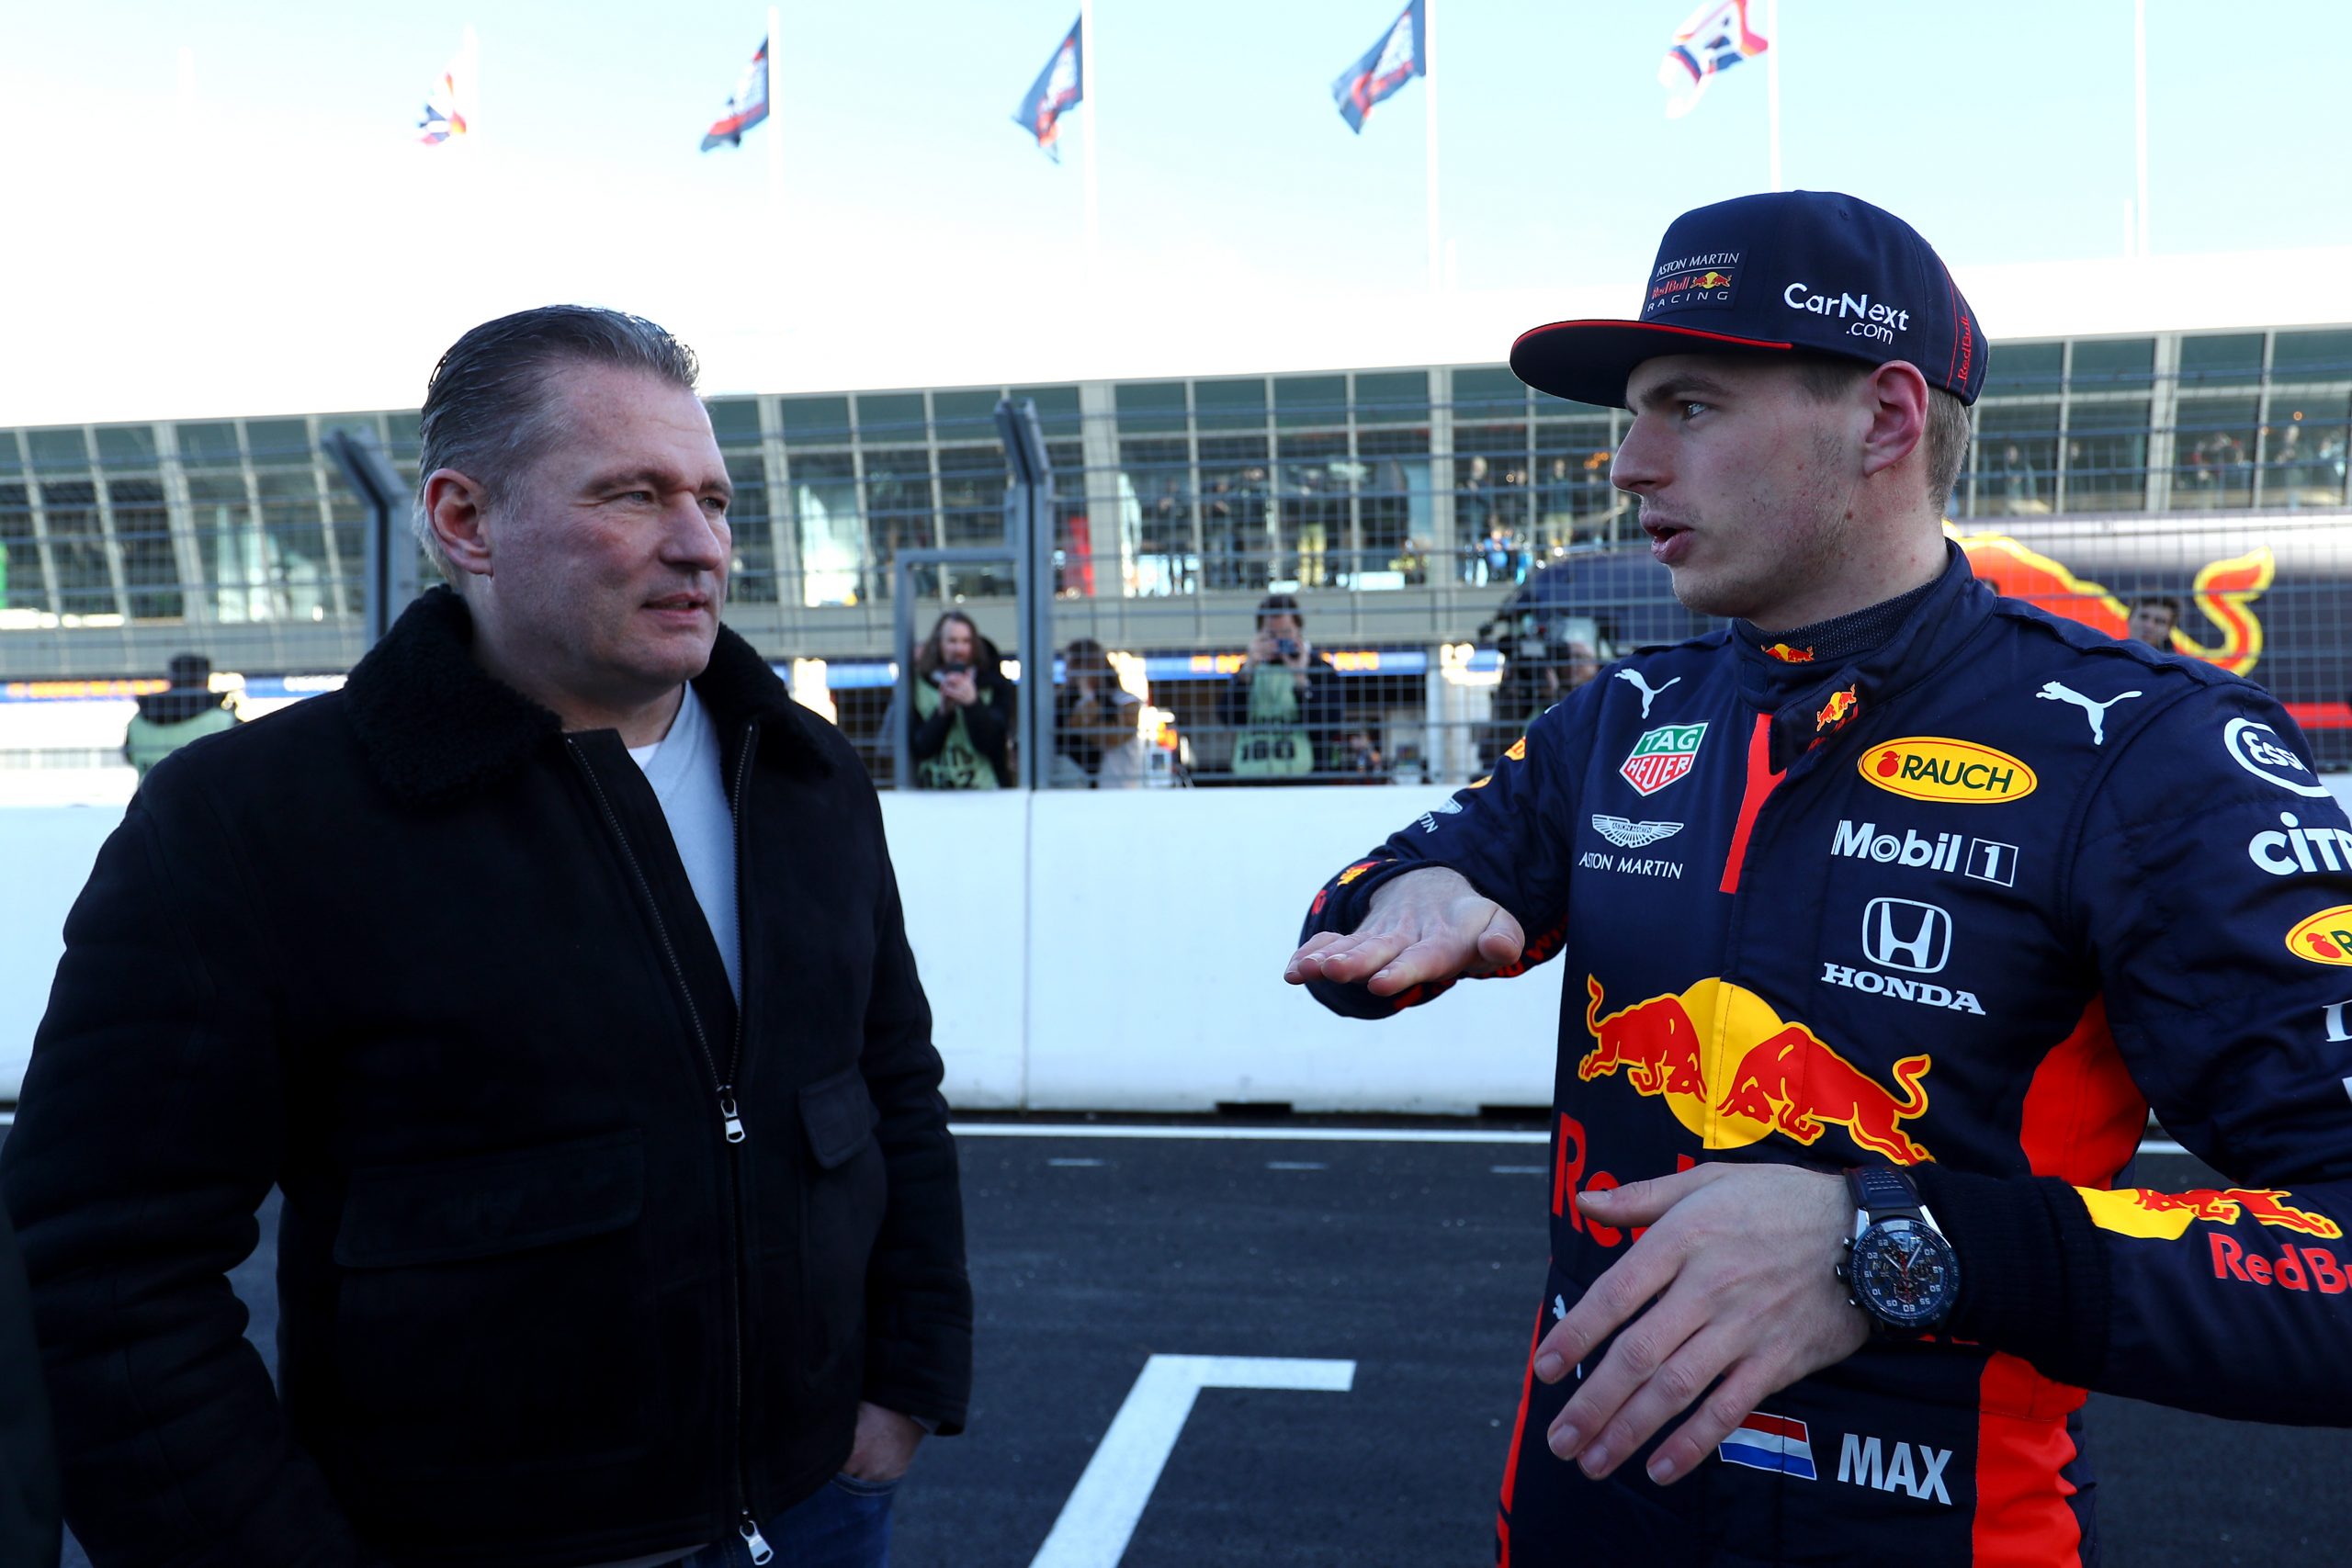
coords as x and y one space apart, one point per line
775 131
2140 114
1086 128
1772 82
1429 122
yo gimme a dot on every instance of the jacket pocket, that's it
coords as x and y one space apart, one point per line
842 1203
498 1310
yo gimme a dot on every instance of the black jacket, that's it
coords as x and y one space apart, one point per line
433 966
29 1526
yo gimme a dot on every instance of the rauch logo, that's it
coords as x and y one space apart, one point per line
1929 767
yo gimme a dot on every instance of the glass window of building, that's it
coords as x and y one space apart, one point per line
1396 517
836 565
1314 478
142 531
1574 502
2311 413
1490 474
1234 482
77 548
2217 359
24 585
2015 461
2214 452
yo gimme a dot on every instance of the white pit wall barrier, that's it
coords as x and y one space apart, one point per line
1082 950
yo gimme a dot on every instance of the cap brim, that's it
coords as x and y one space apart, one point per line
1589 362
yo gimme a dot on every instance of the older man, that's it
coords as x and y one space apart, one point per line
1889 910
554 969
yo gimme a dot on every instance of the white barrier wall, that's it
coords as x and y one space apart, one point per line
1118 950
1103 951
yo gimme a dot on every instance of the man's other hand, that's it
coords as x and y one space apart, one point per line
1424 926
884 1445
1732 1280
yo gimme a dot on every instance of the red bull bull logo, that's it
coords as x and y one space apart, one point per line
1355 870
1733 1071
1837 710
2224 590
1787 655
2165 1216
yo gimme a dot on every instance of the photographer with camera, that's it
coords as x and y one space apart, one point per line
964 709
1283 703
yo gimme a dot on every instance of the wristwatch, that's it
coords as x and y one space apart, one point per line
1899 1268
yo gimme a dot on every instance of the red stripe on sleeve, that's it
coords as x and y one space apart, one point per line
2023 1519
2082 1114
1760 780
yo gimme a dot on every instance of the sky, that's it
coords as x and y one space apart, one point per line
220 206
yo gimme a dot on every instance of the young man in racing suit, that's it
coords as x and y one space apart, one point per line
1888 913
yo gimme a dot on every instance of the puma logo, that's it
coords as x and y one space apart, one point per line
2051 692
1649 694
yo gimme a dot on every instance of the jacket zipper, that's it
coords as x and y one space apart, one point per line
749 1529
730 1119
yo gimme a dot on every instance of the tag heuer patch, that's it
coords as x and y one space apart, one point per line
1663 755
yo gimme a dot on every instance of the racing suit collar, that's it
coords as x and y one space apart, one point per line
1812 702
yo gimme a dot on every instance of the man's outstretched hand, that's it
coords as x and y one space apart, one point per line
1424 926
1731 1281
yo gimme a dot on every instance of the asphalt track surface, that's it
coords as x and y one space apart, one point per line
1416 1261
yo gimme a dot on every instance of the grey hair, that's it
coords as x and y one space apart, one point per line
488 410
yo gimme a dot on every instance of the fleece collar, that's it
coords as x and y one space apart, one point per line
436 727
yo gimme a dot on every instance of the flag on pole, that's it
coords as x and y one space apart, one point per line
746 106
1059 88
449 106
1401 55
1715 39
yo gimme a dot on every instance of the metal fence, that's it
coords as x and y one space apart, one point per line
1399 509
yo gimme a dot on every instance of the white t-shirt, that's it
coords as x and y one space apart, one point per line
685 770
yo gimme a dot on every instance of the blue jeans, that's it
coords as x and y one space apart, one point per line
846 1523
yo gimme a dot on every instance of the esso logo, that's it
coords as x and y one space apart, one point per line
2258 749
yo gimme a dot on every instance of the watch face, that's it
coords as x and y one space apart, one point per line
1903 1274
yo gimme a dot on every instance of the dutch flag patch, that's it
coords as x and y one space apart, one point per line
1770 1442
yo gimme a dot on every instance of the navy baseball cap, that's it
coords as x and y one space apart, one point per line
1760 276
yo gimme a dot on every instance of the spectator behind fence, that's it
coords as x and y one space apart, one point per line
554 970
1283 706
2155 620
1098 738
964 709
168 720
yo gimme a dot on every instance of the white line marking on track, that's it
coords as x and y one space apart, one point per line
1306 1135
1244 1134
1296 1164
1519 1170
1064 1161
1100 1517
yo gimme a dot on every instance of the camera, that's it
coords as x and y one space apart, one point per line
1287 647
954 670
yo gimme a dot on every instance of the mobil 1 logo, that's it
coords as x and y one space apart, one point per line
1986 860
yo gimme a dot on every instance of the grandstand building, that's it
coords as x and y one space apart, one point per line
1400 503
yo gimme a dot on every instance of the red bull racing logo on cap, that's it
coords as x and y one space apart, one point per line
1734 1071
2165 1216
1683 283
1959 772
1663 755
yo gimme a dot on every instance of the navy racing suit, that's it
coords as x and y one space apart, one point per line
1970 904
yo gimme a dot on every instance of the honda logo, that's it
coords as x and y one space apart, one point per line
1900 934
